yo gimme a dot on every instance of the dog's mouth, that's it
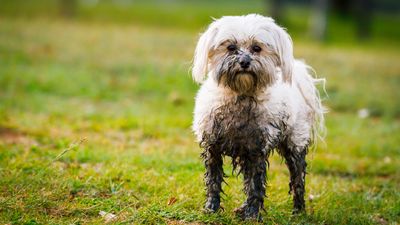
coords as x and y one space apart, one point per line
246 72
242 82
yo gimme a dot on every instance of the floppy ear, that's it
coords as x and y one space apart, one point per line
201 55
284 48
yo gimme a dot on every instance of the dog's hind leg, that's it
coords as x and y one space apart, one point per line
295 158
254 172
213 178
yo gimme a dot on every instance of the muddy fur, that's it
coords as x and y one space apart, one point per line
236 133
296 162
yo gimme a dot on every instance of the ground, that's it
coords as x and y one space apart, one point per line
96 117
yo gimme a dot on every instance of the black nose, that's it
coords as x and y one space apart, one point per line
244 61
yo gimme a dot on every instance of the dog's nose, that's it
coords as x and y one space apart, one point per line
244 61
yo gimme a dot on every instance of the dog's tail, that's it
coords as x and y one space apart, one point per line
306 81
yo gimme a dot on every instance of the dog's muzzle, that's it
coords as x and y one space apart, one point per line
244 61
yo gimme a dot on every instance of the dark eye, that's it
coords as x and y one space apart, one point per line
231 48
256 48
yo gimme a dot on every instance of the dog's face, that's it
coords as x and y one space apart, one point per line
244 53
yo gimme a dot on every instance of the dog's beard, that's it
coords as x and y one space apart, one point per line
260 74
242 82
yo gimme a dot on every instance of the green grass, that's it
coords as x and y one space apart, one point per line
124 92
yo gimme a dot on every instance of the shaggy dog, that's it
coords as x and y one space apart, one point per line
254 98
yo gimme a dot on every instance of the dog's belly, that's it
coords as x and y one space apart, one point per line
236 129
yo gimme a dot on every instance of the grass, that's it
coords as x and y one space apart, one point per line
96 117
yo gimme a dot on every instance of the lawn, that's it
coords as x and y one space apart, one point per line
96 117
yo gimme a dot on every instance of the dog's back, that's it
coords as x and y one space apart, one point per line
306 83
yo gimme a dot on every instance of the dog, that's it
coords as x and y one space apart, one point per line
255 97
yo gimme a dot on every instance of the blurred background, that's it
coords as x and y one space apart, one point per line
96 105
332 20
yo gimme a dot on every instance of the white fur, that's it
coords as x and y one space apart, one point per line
293 94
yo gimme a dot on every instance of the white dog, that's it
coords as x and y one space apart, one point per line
255 97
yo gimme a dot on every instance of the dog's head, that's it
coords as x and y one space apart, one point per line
244 53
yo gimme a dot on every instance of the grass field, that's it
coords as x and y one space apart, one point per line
96 117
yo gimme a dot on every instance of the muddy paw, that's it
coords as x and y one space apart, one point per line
297 211
212 205
247 212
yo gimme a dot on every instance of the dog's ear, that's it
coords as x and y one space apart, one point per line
284 48
201 55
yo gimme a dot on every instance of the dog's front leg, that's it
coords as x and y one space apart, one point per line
296 162
213 178
254 172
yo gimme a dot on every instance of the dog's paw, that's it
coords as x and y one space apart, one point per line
247 212
299 207
297 211
240 211
252 213
212 205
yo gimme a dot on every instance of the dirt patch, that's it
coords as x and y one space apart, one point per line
13 136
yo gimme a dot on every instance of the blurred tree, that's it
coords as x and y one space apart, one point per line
359 11
68 8
319 20
276 10
363 14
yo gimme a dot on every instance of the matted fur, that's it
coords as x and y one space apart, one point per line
246 112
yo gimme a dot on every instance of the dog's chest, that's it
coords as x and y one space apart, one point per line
237 128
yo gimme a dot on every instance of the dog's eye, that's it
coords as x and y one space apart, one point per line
231 48
256 48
